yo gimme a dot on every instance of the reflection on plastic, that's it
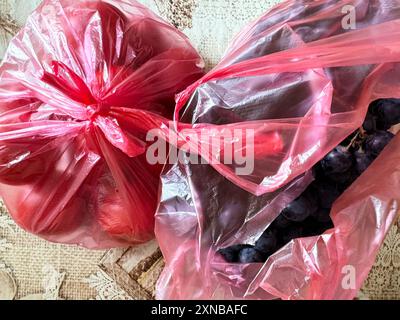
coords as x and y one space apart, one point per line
298 73
76 87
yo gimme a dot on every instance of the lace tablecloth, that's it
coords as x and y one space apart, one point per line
54 271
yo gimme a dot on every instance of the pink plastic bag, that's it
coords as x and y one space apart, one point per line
80 86
298 75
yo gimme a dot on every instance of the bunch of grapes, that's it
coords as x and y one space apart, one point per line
309 214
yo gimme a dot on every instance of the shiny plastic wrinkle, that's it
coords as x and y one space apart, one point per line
71 170
296 73
287 61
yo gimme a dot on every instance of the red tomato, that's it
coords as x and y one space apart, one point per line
122 221
17 167
114 218
44 219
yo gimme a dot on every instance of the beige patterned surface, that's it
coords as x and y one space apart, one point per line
136 270
384 279
27 255
13 14
40 267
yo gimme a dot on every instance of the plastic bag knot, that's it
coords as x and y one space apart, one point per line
97 109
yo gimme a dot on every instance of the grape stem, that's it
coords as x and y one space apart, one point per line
360 133
395 129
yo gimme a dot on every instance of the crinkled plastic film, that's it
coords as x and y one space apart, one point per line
298 75
76 87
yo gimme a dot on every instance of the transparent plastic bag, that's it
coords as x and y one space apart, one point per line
296 74
76 87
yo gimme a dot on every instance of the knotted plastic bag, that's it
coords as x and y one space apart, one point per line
80 86
302 78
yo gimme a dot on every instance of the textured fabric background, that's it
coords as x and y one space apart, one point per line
42 267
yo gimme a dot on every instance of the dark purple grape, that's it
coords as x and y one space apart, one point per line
312 199
338 161
267 242
341 181
313 227
362 161
294 232
327 226
300 209
280 222
350 138
387 112
318 172
322 215
375 143
326 192
370 123
324 226
251 255
231 254
346 178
